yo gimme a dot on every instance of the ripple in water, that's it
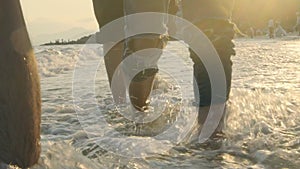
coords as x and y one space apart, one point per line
262 126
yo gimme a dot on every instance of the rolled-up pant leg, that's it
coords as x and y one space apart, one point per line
106 11
146 40
212 17
140 71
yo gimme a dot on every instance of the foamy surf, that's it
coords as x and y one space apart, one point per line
262 128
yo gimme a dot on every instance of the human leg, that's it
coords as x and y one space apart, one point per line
271 32
20 104
141 85
112 60
106 11
212 17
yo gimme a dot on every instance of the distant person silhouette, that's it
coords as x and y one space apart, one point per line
298 23
271 26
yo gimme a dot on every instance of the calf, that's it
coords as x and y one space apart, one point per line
20 104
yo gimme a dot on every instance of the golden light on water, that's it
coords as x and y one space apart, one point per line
258 11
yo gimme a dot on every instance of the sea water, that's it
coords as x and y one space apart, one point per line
262 129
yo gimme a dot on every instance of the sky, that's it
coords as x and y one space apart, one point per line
45 18
67 11
49 20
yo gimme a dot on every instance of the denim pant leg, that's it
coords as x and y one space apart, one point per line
212 17
146 40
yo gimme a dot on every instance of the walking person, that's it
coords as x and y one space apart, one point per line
140 87
271 26
211 16
298 23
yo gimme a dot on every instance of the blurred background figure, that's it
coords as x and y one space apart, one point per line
298 23
271 27
257 13
279 31
251 32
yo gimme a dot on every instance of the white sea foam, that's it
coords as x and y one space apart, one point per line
263 125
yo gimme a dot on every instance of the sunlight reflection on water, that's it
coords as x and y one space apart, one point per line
263 124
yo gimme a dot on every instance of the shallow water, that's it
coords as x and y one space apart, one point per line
263 125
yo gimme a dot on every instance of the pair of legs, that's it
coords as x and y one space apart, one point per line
140 87
211 16
20 104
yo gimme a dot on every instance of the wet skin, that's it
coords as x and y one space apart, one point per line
20 103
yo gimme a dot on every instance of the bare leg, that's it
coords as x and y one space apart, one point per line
141 85
139 93
113 58
139 89
20 104
107 11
